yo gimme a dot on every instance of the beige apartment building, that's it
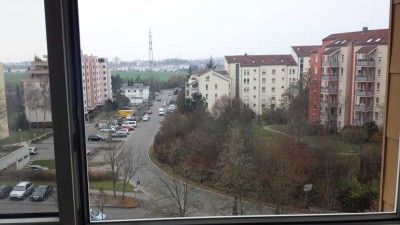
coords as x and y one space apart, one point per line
302 56
4 132
211 84
261 80
96 80
352 77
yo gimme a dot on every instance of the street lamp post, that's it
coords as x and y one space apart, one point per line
20 134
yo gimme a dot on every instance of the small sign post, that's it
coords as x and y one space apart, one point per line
306 189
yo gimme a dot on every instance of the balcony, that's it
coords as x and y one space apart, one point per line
326 90
326 117
363 93
330 104
360 122
330 63
365 63
360 78
329 77
363 108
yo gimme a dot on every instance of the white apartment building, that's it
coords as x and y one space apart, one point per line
211 84
4 132
137 94
96 79
260 80
301 55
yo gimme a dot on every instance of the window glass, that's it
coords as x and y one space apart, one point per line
315 157
26 144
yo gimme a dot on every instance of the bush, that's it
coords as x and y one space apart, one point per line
20 175
377 137
96 175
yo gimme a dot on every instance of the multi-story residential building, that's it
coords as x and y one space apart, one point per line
301 55
352 70
96 79
260 80
3 107
211 84
137 94
37 94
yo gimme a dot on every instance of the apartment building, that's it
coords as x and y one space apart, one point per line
351 70
260 80
302 56
4 132
96 79
211 84
37 94
137 94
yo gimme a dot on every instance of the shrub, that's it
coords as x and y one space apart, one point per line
96 175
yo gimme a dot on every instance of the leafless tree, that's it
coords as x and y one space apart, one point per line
174 198
114 160
100 200
131 164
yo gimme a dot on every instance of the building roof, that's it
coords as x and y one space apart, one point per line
261 60
331 51
305 51
206 70
366 50
368 37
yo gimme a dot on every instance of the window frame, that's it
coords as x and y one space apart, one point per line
63 43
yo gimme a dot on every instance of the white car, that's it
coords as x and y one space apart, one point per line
21 190
161 112
32 150
106 130
146 117
38 167
97 216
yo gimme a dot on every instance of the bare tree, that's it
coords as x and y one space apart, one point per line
235 170
114 160
131 164
100 200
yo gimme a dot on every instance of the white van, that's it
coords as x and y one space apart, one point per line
161 112
130 124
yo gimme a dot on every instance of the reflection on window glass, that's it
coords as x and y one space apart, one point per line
26 143
155 138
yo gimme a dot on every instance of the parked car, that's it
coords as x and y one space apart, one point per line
107 130
21 190
130 123
41 193
120 134
38 167
97 216
124 130
130 128
95 138
131 118
146 117
32 150
149 111
5 191
161 112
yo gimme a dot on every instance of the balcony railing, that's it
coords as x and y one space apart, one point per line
327 117
362 108
363 93
330 63
329 104
365 63
360 122
325 90
360 78
331 77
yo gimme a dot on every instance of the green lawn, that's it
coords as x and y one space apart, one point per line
15 136
107 185
164 76
46 163
11 79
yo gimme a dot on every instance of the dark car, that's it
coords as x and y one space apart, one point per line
95 138
5 191
41 193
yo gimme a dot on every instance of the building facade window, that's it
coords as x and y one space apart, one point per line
273 72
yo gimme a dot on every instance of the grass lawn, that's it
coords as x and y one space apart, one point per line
15 136
107 185
164 76
93 164
51 164
11 79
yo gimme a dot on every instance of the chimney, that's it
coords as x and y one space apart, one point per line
365 29
245 55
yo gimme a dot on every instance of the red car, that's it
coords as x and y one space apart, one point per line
129 128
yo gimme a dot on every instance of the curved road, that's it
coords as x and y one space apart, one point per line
210 204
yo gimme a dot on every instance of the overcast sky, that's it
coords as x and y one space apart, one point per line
189 29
